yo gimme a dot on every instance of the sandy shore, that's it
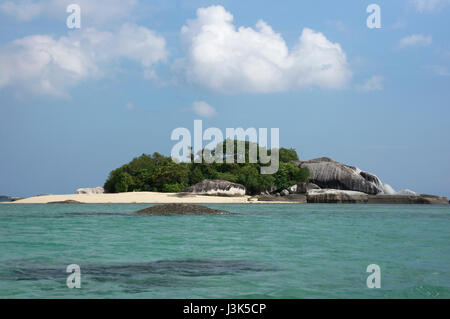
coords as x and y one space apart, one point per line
136 197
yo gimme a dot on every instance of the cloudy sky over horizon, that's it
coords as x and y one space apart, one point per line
76 103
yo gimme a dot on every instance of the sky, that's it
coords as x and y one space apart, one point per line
77 103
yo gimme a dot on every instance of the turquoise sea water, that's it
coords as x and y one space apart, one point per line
261 251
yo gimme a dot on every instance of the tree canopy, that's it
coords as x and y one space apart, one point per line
159 173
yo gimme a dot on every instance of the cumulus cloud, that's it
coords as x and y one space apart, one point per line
94 12
203 109
429 5
47 65
224 58
374 83
415 40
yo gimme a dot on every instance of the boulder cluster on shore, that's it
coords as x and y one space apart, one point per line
330 182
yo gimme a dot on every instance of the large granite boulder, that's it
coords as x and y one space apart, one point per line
90 191
302 188
216 187
329 174
336 196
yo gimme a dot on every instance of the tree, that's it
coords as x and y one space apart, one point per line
171 173
123 183
195 175
287 155
157 172
288 174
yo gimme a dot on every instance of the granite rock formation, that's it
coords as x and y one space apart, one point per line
302 188
89 191
329 174
291 198
407 199
216 187
336 196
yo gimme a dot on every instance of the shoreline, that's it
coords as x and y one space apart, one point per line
134 198
188 198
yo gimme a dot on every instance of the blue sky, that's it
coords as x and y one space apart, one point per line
76 104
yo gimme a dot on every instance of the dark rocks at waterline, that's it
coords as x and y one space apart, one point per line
333 196
327 173
5 198
216 187
402 199
180 209
291 198
69 201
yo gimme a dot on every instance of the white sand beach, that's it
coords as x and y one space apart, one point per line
134 197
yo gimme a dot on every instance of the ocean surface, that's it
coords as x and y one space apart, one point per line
260 251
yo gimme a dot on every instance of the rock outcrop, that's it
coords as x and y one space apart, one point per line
5 198
407 199
336 196
216 187
291 198
89 191
69 201
284 192
180 209
329 174
329 196
302 188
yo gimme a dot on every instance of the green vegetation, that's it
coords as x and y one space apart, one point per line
157 173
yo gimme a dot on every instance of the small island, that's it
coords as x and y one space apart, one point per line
157 179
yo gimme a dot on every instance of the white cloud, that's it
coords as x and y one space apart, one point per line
23 11
203 109
374 83
415 40
429 5
46 65
229 59
93 12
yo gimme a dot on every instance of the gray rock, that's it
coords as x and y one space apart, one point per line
336 196
303 188
179 209
69 201
327 173
291 198
216 187
89 191
292 189
284 192
407 199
